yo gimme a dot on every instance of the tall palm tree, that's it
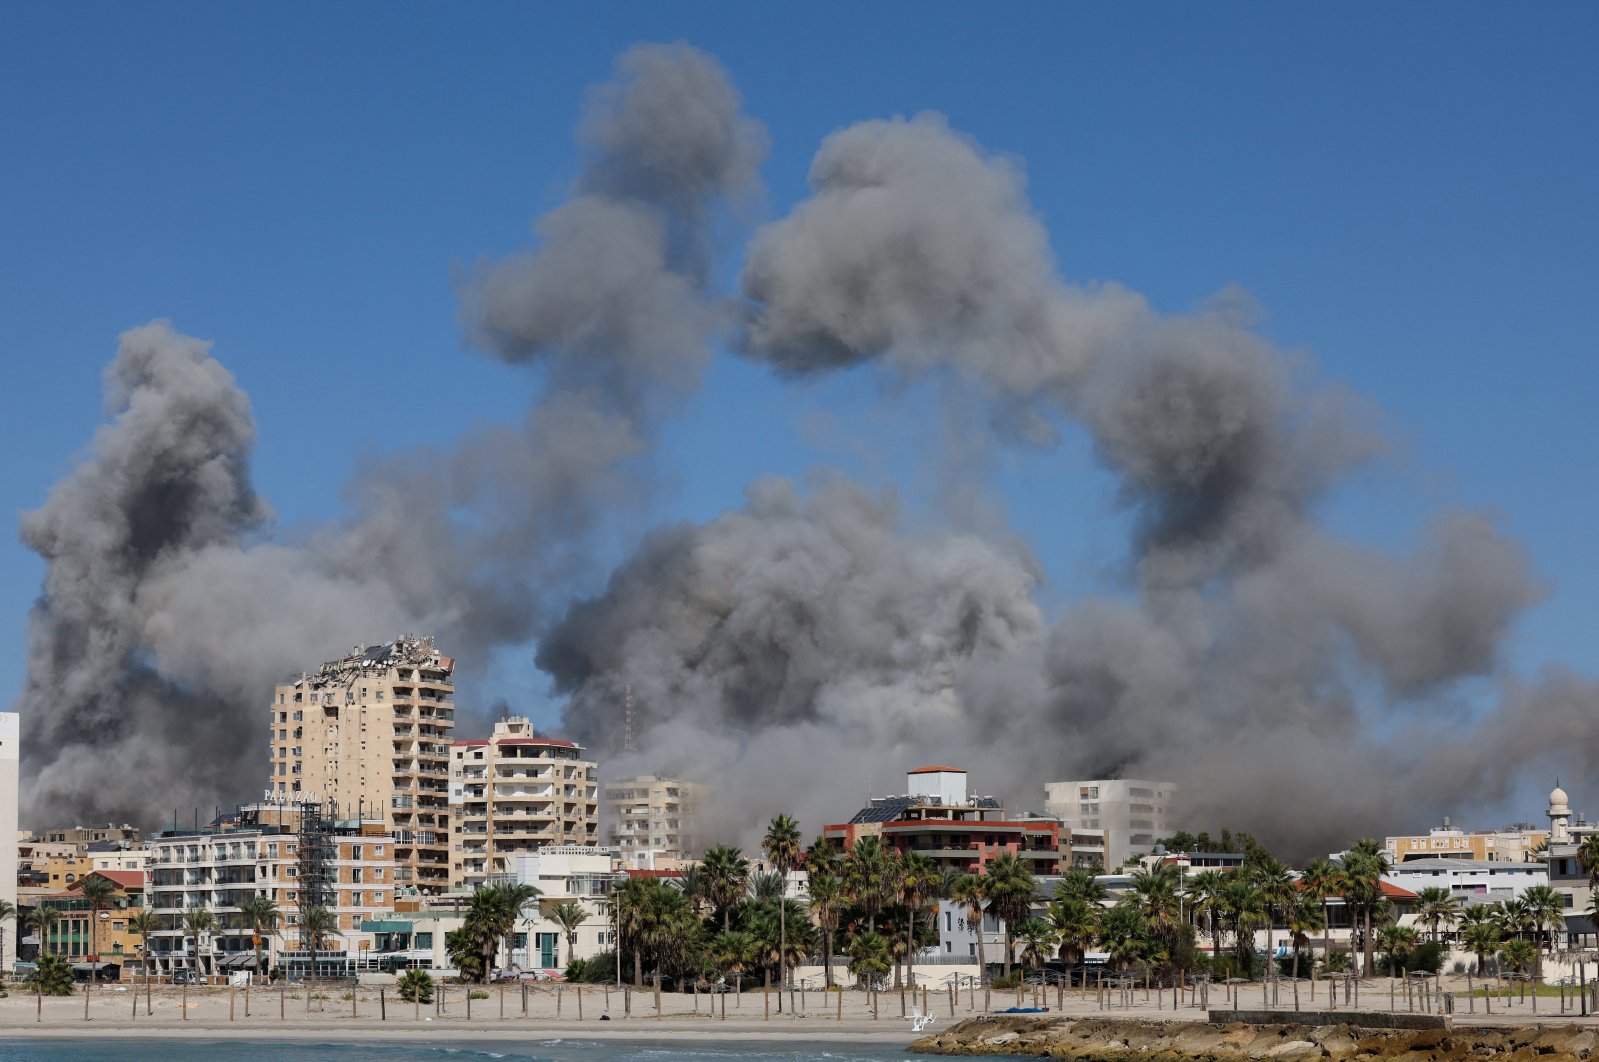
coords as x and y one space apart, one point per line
318 923
1246 910
627 908
1319 882
918 883
1278 889
261 916
198 921
1080 884
1154 894
569 916
1548 912
1303 918
143 923
1124 936
1076 924
1039 942
971 892
1588 858
827 904
734 952
99 891
1011 886
41 920
726 879
1361 885
871 876
1205 893
783 849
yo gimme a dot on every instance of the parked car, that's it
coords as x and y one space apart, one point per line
184 977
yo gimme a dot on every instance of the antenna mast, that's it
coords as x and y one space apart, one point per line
628 744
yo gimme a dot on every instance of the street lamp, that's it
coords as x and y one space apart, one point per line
617 882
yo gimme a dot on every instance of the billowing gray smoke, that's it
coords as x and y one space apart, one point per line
168 612
1255 654
802 650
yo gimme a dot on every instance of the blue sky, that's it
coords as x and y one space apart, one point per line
1409 191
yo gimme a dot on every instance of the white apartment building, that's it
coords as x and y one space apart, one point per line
512 794
1490 879
1130 814
647 814
347 867
10 746
371 733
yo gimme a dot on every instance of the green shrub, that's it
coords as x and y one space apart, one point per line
601 967
53 976
478 993
1004 983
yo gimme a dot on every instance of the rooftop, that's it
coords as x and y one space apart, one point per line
935 770
1414 865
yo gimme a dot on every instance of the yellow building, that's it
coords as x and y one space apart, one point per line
63 871
646 814
371 733
81 932
1513 844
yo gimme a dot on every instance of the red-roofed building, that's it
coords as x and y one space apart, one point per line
514 793
936 818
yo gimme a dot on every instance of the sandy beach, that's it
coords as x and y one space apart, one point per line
331 1014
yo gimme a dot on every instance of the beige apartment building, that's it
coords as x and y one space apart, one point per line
1519 843
513 794
370 733
647 814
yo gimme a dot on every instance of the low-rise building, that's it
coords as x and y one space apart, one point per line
514 793
82 935
1132 813
1518 843
1469 877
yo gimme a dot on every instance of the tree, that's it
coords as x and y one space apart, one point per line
1519 954
8 910
1246 910
726 879
1303 918
627 906
782 847
1588 858
1039 942
1482 937
197 922
918 883
465 953
1397 942
1205 894
98 891
827 904
41 920
868 957
971 892
1319 882
1079 884
1011 887
318 923
1123 934
1361 885
416 986
1437 906
143 923
1548 912
53 975
569 916
871 876
1153 894
491 917
734 952
261 916
1076 925
1278 889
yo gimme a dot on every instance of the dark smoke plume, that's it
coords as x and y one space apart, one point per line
168 613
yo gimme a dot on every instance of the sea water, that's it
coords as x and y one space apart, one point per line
532 1050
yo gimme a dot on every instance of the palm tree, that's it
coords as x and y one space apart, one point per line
1588 858
53 976
569 916
726 879
1123 935
1437 906
868 956
1011 886
318 923
198 921
1319 882
1154 895
767 886
1303 918
827 904
782 847
1079 884
1278 889
919 882
1246 909
734 952
971 892
1076 925
627 905
661 923
260 914
41 920
871 877
98 891
1519 954
143 923
1039 942
1205 893
1398 942
1361 884
1482 937
1548 912
416 986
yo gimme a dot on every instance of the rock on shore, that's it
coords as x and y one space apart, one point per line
1098 1040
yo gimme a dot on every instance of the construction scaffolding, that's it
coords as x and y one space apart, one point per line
318 851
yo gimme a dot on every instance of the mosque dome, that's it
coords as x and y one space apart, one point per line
1558 802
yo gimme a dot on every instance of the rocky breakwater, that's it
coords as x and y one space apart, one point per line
1097 1040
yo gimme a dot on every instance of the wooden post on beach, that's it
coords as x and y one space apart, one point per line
86 987
383 1005
355 994
149 1008
840 1004
416 1005
627 1001
578 991
502 1002
1296 994
231 995
607 997
986 1001
468 1002
558 1001
766 1004
247 998
135 1004
874 1004
38 991
925 1008
185 1001
723 997
283 997
952 991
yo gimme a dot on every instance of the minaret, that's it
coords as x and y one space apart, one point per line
1559 816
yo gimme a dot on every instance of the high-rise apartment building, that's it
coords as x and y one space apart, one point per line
650 814
1132 813
370 734
515 793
